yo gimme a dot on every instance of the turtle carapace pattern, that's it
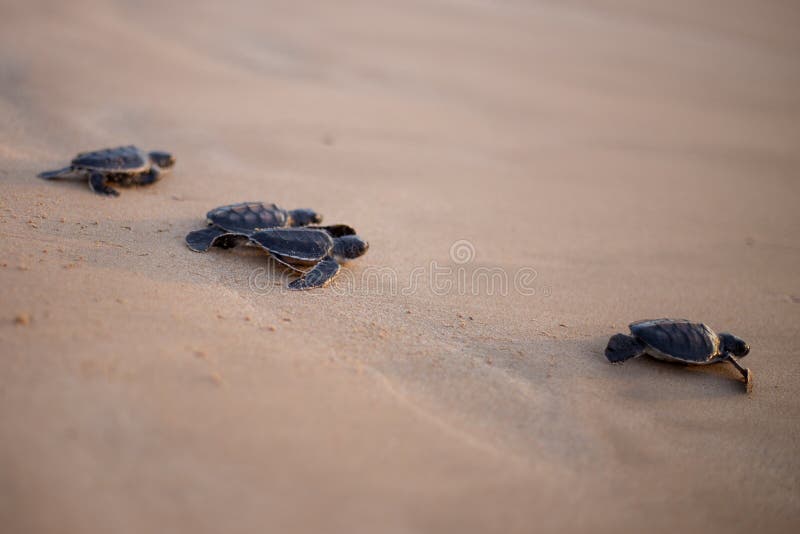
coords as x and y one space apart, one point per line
680 340
124 165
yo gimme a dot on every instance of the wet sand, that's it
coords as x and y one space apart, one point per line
531 176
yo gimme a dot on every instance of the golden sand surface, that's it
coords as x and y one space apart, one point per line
594 162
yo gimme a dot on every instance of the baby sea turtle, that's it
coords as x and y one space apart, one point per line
679 340
124 165
323 249
230 224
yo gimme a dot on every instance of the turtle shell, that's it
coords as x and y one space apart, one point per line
678 339
299 244
128 159
246 217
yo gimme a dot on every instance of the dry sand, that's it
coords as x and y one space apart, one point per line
644 161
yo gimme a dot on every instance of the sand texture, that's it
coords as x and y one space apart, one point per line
531 176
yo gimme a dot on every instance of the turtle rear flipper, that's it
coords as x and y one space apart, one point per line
55 175
319 276
621 348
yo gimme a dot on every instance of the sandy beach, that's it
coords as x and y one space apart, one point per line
531 176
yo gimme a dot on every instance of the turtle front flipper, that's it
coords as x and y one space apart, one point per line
98 182
621 347
336 230
149 177
746 373
322 273
55 175
230 240
202 240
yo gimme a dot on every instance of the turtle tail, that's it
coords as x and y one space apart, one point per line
621 347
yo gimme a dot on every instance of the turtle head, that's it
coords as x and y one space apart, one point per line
304 217
349 247
165 160
734 345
